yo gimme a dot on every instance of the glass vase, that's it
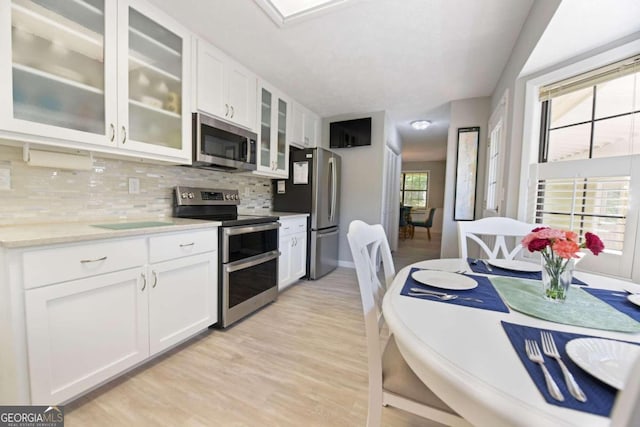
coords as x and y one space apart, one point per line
557 275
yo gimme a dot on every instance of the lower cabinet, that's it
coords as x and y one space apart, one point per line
85 331
82 332
180 299
293 251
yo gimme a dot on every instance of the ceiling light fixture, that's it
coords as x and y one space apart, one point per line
420 124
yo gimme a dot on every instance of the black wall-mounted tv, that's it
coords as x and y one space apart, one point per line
350 133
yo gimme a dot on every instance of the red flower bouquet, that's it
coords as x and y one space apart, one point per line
558 249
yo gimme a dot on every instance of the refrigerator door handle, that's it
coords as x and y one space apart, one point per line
332 187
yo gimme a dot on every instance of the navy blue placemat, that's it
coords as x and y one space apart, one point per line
617 300
484 291
600 396
479 267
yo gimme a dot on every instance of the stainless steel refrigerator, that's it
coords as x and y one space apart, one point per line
313 187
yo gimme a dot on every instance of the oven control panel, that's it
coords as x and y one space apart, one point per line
205 196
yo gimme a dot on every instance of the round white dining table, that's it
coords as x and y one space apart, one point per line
463 354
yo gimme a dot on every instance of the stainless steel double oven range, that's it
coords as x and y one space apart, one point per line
247 250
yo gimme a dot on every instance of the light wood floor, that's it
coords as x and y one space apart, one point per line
300 361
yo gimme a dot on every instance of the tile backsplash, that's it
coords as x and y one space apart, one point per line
46 195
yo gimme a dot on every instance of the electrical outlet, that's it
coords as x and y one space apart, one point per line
134 186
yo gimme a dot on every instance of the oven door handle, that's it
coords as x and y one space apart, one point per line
250 262
231 231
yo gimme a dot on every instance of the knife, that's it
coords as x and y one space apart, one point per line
441 294
486 264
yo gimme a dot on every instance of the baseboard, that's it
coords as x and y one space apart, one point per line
346 264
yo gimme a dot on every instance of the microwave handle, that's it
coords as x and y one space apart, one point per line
247 143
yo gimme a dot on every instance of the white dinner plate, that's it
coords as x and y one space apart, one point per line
515 265
607 360
634 298
444 280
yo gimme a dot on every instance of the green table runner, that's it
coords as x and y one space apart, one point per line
580 308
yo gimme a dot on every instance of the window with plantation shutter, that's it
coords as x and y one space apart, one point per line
588 168
593 204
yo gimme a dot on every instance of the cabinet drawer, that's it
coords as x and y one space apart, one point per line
292 225
62 263
171 246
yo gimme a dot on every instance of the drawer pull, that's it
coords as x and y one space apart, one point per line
144 281
85 261
184 245
155 279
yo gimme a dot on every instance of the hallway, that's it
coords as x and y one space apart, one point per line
417 249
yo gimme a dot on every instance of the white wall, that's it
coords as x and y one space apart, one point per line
539 16
464 113
362 177
436 187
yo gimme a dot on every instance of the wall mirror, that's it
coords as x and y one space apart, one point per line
466 174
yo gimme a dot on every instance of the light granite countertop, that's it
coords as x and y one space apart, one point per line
26 235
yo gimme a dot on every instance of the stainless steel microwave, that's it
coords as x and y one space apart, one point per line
222 146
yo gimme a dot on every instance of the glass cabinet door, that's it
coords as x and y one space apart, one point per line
265 130
155 64
282 135
57 63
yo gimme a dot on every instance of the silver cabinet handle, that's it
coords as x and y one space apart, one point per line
184 245
155 278
144 281
124 134
85 261
113 132
232 112
226 110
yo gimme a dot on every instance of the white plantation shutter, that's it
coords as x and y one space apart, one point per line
591 195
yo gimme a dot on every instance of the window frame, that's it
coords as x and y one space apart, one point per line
426 190
532 131
495 165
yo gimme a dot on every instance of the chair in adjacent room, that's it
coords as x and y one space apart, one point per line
425 224
497 228
405 222
391 381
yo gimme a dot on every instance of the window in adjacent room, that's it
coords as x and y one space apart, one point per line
414 189
589 156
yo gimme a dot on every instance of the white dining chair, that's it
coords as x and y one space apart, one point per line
626 409
496 228
391 380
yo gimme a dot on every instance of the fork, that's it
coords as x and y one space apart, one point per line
549 348
533 353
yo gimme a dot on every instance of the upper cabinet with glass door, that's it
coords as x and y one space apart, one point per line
53 67
102 75
275 122
152 63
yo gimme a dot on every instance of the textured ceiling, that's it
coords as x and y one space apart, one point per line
407 57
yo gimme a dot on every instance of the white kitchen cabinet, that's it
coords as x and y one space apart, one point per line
98 315
223 87
306 127
102 76
293 251
183 299
83 332
274 125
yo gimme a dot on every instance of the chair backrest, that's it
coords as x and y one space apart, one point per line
429 221
496 227
405 215
369 245
626 410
